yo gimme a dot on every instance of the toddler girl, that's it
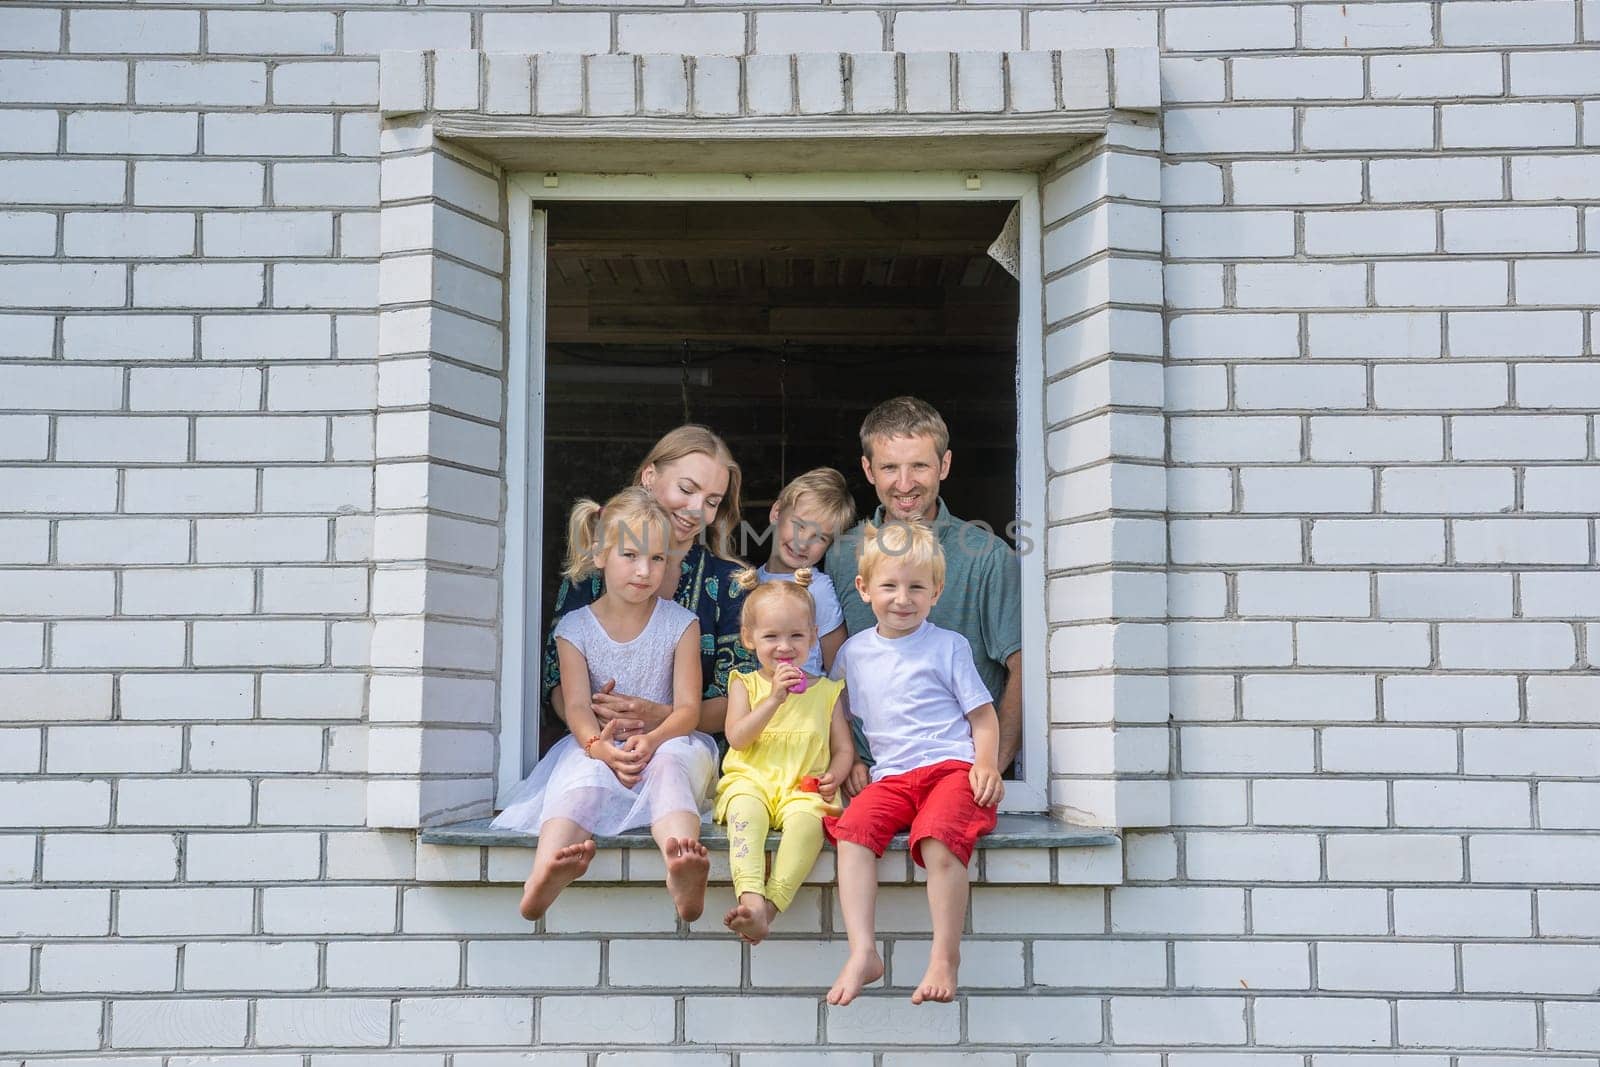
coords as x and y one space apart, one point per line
788 749
596 781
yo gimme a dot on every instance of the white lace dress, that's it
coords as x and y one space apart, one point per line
567 784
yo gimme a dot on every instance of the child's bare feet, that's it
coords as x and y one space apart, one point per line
688 864
938 982
751 921
548 880
858 971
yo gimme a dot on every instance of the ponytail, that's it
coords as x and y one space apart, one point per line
581 539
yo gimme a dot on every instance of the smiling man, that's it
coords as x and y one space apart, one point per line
905 453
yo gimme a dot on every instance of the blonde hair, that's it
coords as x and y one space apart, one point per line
904 416
777 589
902 542
625 519
685 441
828 487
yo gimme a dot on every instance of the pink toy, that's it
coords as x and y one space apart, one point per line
800 686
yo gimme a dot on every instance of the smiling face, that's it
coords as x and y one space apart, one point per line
691 489
906 472
780 629
633 562
800 536
901 593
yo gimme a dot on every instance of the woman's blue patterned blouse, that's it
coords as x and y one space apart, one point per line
705 587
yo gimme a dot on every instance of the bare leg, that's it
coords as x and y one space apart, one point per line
752 917
947 904
564 852
858 898
688 862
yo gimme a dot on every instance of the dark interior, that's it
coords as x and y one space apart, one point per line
779 325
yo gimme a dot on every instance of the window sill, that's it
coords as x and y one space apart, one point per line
1022 850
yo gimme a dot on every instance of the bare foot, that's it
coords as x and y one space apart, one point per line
688 864
751 921
939 982
858 971
546 882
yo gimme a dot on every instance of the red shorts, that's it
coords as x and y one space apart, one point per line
934 801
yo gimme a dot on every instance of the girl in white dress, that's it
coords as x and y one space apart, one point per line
602 781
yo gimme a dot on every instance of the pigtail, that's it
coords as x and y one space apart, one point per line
802 577
582 527
746 579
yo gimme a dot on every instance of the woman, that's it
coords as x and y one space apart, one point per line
692 474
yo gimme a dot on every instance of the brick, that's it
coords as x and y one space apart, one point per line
1383 335
567 32
1560 699
121 857
155 696
1462 804
119 968
1556 281
31 29
264 33
1235 540
341 285
219 285
1553 177
144 32
133 234
260 748
1512 229
1520 541
1385 127
122 540
63 81
1427 77
326 83
1469 1023
190 490
1335 233
553 964
1538 857
1335 1021
1213 131
132 132
1559 595
1436 179
28 131
1444 595
1569 1026
1432 283
1377 438
1292 77
1207 235
1314 387
314 803
250 965
182 1023
1344 541
1515 333
1394 857
1463 912
1483 385
194 389
795 31
1170 1021
1252 857
1495 22
564 1018
369 33
30 233
1100 964
132 338
54 698
224 857
1298 802
200 82
956 31
1362 644
52 1026
1447 490
1552 73
393 964
1565 912
327 909
1531 752
1301 594
1367 26
117 644
102 749
181 803
51 285
282 134
1519 125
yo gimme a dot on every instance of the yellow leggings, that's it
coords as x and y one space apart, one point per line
748 823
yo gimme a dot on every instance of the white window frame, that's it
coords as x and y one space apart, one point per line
522 641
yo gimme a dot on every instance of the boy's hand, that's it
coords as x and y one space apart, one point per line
858 780
987 786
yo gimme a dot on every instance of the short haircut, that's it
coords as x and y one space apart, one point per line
905 542
830 491
904 416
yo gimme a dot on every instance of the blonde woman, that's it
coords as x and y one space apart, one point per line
693 476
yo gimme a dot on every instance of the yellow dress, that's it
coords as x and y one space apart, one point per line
760 790
794 745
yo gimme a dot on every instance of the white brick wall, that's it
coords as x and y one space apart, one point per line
1379 232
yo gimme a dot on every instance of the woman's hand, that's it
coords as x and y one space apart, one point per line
630 713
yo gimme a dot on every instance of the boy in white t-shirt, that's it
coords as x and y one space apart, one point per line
935 739
809 513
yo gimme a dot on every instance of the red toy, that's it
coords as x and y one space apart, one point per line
810 784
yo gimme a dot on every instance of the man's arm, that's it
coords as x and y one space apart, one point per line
1009 711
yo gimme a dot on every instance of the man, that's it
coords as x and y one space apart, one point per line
905 453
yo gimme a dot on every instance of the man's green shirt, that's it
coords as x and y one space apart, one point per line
982 598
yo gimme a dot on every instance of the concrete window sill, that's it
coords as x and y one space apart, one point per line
1022 850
